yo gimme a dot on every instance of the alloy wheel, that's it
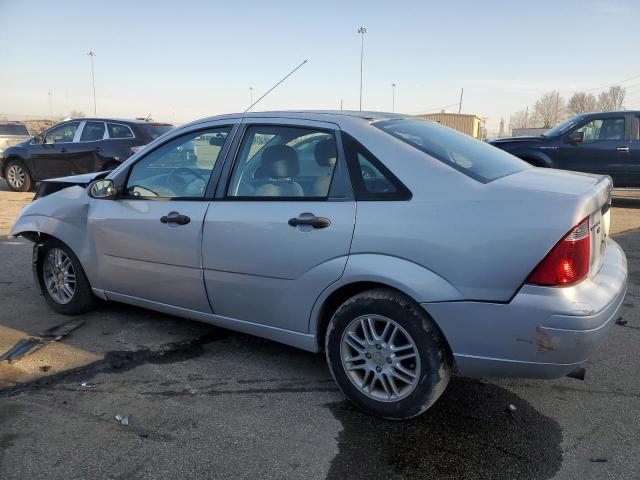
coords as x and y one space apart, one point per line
16 176
59 276
380 358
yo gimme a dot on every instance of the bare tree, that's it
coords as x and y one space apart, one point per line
612 101
520 119
581 102
548 109
76 114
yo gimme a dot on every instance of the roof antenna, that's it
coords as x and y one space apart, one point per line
269 91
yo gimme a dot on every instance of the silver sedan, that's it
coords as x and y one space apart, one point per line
403 249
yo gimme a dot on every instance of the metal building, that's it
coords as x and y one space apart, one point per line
469 124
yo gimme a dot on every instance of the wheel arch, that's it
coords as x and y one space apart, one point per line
537 159
369 271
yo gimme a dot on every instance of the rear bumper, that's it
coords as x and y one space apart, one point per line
543 332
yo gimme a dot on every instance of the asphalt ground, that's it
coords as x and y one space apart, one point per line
204 402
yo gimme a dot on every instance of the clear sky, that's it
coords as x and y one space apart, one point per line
182 60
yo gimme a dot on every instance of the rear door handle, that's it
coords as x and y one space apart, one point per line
315 222
175 217
622 149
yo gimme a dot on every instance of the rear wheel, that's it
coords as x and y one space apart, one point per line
63 281
17 176
387 355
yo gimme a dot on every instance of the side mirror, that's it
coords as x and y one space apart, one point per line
38 139
575 137
102 190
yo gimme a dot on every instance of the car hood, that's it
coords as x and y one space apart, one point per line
537 139
52 185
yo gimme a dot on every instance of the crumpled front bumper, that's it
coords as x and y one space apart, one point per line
543 332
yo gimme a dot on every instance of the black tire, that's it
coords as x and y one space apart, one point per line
17 176
435 360
83 298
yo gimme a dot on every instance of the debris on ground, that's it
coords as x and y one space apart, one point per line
599 460
578 373
28 345
87 385
45 368
511 410
123 419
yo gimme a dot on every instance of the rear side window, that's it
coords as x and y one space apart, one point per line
92 131
13 129
474 158
154 130
119 131
370 178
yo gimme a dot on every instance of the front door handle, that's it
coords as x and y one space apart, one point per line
63 150
315 222
175 217
622 149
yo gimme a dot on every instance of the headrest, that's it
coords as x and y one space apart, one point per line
325 151
279 161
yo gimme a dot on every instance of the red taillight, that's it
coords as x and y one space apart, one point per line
568 261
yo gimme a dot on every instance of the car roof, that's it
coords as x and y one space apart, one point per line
320 115
135 121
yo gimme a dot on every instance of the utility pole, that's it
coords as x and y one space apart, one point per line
251 95
50 108
361 31
340 104
92 54
393 98
526 118
460 104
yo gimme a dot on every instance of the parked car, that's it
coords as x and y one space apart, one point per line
603 143
400 247
12 133
75 147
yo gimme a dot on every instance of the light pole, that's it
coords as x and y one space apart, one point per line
361 31
50 108
251 97
92 54
393 98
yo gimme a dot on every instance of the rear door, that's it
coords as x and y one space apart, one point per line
604 149
631 177
85 154
279 232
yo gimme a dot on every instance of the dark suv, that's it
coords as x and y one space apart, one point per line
75 147
604 143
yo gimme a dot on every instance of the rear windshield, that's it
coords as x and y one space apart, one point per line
154 131
13 129
477 159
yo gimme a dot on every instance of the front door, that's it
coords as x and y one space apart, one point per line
281 231
604 149
51 158
148 242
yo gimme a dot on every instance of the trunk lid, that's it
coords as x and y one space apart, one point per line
565 199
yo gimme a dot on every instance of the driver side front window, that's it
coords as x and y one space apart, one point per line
180 168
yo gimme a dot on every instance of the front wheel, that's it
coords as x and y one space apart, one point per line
63 282
386 354
17 176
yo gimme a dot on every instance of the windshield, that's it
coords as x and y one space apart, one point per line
13 129
155 130
563 127
477 159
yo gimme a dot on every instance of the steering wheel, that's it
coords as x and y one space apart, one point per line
367 172
178 184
